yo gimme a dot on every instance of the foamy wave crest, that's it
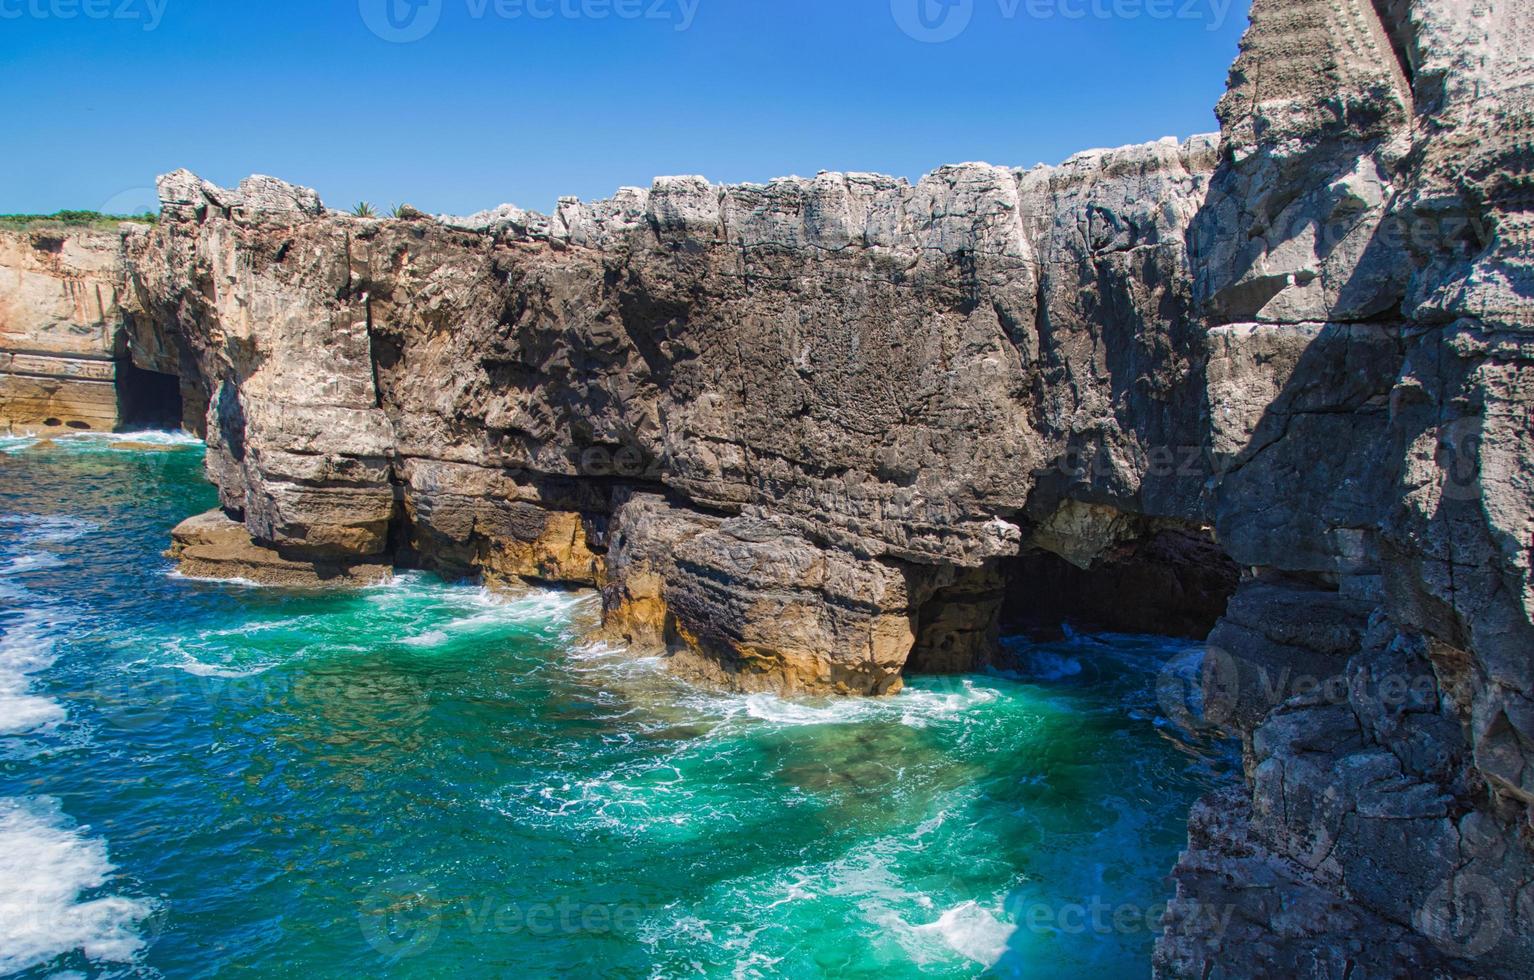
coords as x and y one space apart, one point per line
432 638
147 437
235 582
740 917
940 699
44 867
16 444
102 441
631 802
128 441
601 657
25 649
31 562
973 932
478 609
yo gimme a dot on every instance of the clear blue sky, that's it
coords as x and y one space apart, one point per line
494 104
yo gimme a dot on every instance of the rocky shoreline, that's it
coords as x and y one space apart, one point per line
814 435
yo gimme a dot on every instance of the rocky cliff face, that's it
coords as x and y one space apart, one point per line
807 436
72 358
59 329
1364 258
847 393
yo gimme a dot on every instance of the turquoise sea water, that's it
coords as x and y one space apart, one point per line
427 780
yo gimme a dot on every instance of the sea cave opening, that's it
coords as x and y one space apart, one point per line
147 399
1174 580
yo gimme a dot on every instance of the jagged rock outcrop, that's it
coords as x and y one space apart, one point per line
875 378
804 435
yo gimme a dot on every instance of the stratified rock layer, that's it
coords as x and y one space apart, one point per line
60 328
798 434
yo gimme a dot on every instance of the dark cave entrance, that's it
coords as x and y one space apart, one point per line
147 399
1171 581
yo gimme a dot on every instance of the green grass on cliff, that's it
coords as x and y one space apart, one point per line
73 219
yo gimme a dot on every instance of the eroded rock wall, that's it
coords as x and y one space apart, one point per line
1363 262
876 379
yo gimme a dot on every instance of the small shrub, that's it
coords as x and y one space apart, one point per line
75 219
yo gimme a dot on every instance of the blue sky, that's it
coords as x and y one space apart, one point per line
524 100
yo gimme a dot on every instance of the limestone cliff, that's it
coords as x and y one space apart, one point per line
72 359
1364 257
810 436
848 393
59 328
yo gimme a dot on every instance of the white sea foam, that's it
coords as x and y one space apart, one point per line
243 583
973 932
32 561
433 638
25 649
914 707
866 883
782 711
45 865
143 437
182 653
632 801
199 669
146 437
102 441
614 660
485 610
